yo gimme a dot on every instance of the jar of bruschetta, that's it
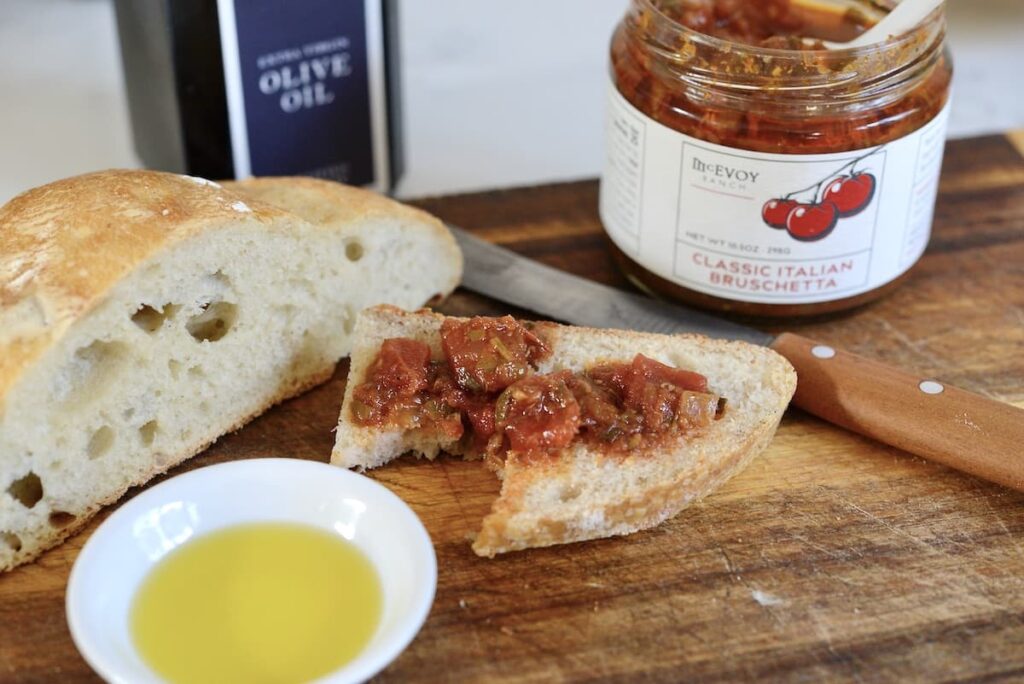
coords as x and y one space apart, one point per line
751 168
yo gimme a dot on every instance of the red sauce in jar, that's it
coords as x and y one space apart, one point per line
753 76
487 393
769 23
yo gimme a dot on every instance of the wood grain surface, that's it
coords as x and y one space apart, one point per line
830 558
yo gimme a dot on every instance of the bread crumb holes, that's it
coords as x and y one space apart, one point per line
350 320
91 371
11 540
151 319
60 519
27 490
147 432
100 442
213 323
354 250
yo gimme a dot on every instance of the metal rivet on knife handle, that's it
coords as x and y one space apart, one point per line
823 351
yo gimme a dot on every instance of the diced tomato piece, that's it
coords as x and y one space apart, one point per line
624 400
478 408
481 418
631 380
489 354
645 372
599 408
611 376
649 369
402 365
393 380
444 386
538 412
657 402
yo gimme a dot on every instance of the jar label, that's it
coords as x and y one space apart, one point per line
305 87
767 228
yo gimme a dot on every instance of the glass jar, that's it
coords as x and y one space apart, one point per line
772 181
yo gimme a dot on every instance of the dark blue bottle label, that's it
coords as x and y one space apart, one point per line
305 90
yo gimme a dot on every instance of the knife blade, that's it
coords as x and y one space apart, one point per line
504 275
954 427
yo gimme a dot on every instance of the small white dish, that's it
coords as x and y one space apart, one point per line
137 536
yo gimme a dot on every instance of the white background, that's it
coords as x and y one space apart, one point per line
494 93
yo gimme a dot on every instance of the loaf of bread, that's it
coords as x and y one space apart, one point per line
144 314
587 493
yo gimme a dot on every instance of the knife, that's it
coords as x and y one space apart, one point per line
934 420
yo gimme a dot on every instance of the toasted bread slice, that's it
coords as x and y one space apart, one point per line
587 493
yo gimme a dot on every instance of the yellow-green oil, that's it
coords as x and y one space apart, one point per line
267 602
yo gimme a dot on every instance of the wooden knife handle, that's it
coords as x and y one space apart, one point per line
931 419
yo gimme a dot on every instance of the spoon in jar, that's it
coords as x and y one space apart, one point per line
905 16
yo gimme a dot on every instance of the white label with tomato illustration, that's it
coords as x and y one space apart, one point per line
767 228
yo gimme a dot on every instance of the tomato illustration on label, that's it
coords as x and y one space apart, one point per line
810 222
776 211
850 194
847 192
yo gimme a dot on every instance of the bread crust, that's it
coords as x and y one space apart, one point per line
333 205
656 505
63 246
339 207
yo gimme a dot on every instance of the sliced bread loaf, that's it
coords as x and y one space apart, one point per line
587 493
144 314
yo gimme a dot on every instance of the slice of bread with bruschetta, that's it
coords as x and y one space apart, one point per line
594 432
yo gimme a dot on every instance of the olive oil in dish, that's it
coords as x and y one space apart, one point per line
266 602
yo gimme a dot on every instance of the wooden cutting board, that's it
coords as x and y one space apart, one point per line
830 557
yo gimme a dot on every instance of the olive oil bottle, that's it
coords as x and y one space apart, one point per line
238 88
